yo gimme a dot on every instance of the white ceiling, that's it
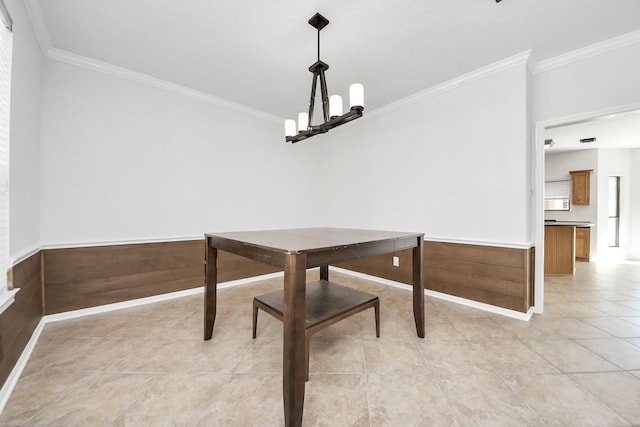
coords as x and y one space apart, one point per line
614 131
256 53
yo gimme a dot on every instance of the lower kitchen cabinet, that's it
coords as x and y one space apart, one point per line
559 250
583 243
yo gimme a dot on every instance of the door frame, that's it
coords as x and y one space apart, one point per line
539 172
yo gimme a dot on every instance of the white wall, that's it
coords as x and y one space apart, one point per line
125 161
452 165
614 163
25 135
634 203
604 81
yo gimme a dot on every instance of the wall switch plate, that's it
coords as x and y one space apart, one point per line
396 261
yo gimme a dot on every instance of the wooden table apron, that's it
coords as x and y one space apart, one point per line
295 265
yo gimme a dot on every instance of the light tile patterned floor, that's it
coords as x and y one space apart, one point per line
578 364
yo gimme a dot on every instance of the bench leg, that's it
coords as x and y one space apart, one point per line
376 309
255 319
307 351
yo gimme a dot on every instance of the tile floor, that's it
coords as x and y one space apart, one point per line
578 364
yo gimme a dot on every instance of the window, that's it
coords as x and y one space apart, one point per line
6 41
613 227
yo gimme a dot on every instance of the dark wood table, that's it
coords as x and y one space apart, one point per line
295 251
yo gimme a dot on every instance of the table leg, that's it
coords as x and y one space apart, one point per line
418 287
210 288
324 272
293 370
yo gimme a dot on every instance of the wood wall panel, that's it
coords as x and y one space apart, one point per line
85 277
78 278
18 322
493 275
489 274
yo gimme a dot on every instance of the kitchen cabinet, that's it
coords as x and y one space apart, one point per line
580 186
559 250
583 243
565 242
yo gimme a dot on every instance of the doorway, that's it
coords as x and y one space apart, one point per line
605 140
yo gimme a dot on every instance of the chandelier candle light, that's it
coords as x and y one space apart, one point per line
331 105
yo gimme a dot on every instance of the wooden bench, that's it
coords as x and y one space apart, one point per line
326 303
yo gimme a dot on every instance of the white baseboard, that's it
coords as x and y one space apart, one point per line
12 379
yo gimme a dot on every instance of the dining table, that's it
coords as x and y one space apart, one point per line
295 251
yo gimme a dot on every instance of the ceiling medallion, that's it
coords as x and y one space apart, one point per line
331 105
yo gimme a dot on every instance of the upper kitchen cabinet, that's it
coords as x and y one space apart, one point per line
580 186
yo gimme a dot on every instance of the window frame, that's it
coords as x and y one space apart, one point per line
7 292
616 214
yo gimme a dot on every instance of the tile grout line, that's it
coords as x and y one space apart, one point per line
600 339
570 340
452 411
366 381
501 375
569 377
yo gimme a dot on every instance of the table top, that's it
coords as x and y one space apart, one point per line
301 240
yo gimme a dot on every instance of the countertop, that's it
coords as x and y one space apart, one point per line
569 223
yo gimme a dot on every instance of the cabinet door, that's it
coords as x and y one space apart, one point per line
583 244
580 187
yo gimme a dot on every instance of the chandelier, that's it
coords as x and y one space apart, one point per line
331 105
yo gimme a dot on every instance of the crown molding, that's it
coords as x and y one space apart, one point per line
523 58
590 51
34 12
125 73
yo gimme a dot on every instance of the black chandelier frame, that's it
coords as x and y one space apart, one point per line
318 69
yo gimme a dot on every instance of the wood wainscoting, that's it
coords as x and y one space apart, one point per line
499 276
20 319
85 277
495 275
